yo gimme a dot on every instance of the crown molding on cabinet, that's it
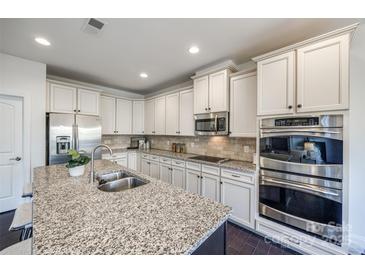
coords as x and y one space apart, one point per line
338 32
229 64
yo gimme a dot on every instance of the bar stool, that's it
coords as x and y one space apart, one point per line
20 248
27 191
23 221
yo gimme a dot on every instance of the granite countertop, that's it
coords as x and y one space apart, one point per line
242 166
71 216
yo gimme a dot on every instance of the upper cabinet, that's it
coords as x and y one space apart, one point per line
124 116
172 114
69 99
322 75
149 120
275 86
107 115
243 96
62 98
211 92
160 115
138 117
186 117
320 69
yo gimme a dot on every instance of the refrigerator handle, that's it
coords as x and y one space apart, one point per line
76 129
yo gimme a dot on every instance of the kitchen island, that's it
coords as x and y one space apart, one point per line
72 216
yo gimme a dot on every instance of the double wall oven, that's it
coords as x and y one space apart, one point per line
301 170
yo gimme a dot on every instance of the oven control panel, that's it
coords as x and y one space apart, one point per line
295 122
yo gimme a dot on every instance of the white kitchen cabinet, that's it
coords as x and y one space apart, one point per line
88 102
275 86
193 181
178 176
149 121
172 114
107 115
218 91
243 102
122 160
323 75
132 160
201 95
62 98
165 173
145 167
124 116
160 115
240 197
186 121
155 169
210 186
138 117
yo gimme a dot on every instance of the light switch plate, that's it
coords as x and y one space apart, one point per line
246 149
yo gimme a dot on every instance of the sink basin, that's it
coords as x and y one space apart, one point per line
109 177
121 184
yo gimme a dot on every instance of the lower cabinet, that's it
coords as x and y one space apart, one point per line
178 176
155 169
210 186
239 196
132 160
193 181
165 173
145 167
123 161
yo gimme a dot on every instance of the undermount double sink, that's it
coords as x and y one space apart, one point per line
118 181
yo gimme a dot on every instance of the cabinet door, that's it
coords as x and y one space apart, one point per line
62 98
107 115
201 95
243 90
210 187
88 102
138 117
172 114
123 161
145 167
218 91
275 85
155 170
187 113
240 197
192 181
323 72
160 118
178 177
165 173
149 120
132 160
124 116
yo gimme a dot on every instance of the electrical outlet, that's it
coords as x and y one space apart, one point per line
107 142
246 149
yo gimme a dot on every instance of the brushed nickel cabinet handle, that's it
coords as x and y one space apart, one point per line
16 159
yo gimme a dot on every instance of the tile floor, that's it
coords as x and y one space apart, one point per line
7 238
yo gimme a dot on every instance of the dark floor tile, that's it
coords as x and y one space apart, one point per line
246 249
253 240
274 250
7 238
232 251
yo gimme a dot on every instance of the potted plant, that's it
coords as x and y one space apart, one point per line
76 166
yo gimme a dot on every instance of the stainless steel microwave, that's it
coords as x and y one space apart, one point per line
215 123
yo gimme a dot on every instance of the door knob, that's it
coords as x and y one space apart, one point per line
16 159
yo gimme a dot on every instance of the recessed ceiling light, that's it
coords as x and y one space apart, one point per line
143 75
193 49
42 41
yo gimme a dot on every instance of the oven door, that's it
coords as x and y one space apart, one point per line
313 209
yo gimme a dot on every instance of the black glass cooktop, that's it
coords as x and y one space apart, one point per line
208 159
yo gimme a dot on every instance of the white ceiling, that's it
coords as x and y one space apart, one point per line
159 47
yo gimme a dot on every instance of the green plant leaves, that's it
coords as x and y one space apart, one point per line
77 159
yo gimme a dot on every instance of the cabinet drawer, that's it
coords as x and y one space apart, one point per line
154 158
238 176
210 170
193 166
165 160
179 163
145 156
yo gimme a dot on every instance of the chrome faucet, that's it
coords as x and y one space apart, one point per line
92 173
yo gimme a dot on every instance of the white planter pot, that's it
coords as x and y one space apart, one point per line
76 171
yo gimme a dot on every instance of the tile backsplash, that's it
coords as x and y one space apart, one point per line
220 146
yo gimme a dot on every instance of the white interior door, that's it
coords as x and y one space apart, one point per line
11 152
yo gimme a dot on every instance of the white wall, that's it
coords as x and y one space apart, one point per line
357 141
20 76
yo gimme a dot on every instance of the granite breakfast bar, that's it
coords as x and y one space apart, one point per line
72 216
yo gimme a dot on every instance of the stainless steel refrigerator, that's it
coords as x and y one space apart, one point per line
67 131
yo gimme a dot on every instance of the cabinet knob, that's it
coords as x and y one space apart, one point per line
206 109
290 107
299 105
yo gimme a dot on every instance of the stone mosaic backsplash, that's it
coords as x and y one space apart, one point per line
219 146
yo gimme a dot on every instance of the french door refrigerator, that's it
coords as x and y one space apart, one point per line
70 131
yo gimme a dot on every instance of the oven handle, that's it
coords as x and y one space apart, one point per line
307 132
335 196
